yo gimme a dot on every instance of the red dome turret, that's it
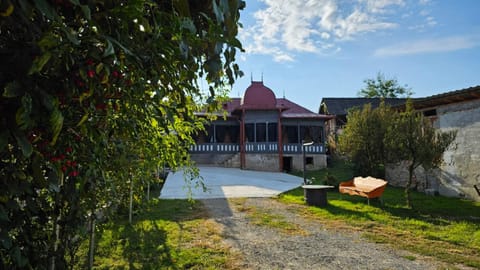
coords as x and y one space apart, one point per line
258 96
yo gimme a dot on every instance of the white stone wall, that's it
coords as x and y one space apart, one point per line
460 169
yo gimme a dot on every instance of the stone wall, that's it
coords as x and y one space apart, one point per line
258 162
460 169
319 162
262 162
211 158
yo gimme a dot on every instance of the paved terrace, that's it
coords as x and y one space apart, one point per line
229 183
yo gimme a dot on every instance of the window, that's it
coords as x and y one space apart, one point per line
249 133
309 161
227 134
272 132
290 134
311 133
221 132
261 132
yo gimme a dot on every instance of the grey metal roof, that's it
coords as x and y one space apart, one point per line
340 106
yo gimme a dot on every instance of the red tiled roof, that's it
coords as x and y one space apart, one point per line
259 97
293 110
289 109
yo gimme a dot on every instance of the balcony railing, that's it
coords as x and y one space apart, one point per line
293 148
215 148
264 147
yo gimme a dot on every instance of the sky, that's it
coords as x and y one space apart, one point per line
307 50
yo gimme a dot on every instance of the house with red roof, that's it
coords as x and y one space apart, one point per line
263 132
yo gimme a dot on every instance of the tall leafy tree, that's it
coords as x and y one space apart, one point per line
362 139
413 138
381 87
375 137
95 94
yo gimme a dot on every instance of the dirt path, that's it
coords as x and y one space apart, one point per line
304 245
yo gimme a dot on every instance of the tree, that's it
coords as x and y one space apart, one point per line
413 138
95 94
375 137
382 87
362 140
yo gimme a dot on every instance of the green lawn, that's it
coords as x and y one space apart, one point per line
447 229
167 234
340 171
175 234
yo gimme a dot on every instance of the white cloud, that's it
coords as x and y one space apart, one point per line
431 21
379 6
446 44
325 35
285 28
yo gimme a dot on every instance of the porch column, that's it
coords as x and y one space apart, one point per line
242 140
280 141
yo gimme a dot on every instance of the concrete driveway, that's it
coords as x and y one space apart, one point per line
229 183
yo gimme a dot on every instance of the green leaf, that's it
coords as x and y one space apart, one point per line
48 41
86 12
84 118
22 116
54 187
39 63
109 50
56 123
188 24
99 68
47 101
46 9
71 35
24 144
217 11
20 260
12 89
182 7
112 40
6 241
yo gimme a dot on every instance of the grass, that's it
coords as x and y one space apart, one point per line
340 171
263 217
168 234
446 229
175 234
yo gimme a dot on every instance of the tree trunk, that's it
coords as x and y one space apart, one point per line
130 208
411 168
91 248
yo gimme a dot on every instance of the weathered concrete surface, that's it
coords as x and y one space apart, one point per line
229 183
262 162
319 162
461 167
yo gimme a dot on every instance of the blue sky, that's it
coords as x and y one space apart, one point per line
310 49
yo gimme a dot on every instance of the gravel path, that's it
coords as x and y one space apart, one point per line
312 247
